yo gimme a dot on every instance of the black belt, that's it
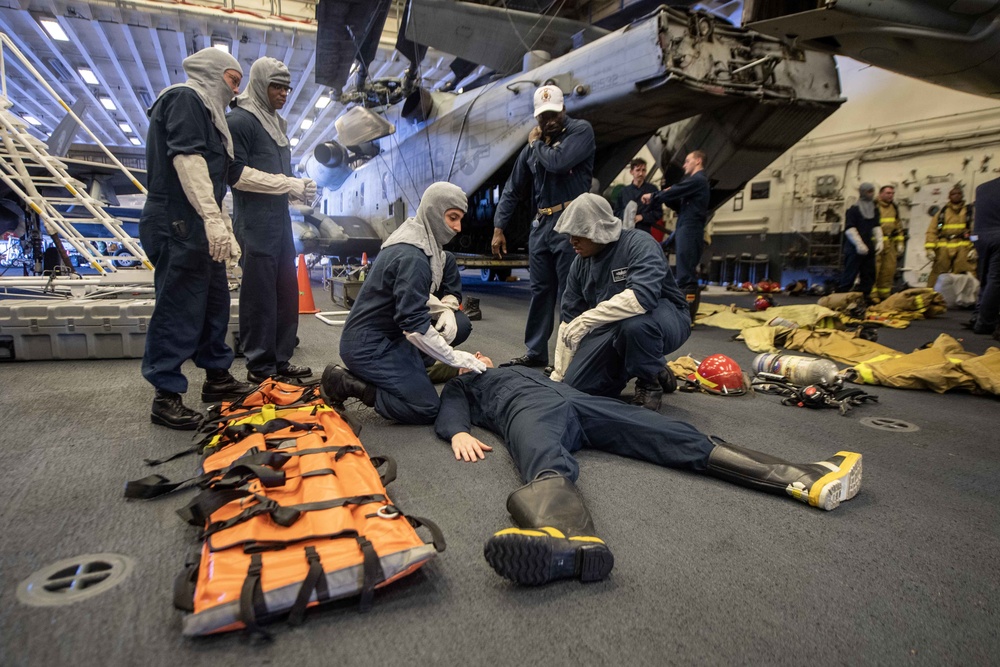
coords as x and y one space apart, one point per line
553 209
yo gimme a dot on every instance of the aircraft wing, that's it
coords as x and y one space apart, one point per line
348 30
492 36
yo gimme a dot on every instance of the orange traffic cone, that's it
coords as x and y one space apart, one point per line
306 304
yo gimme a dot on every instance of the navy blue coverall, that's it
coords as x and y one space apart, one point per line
855 263
690 198
191 315
393 299
613 353
544 423
269 295
987 232
553 175
649 213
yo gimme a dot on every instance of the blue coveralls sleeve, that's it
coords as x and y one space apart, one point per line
451 280
646 270
620 204
454 416
518 187
573 148
675 194
184 122
411 285
243 137
573 301
852 218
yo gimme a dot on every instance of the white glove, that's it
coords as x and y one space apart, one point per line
234 247
900 248
447 325
879 238
973 255
432 344
619 307
854 236
931 255
262 182
628 215
192 172
564 356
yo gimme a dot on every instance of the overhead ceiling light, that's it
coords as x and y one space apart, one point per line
108 103
306 124
294 141
88 76
54 29
220 44
135 141
323 102
125 127
32 120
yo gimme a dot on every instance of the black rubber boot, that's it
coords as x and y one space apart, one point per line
169 410
220 385
554 538
648 395
471 309
693 296
338 385
824 484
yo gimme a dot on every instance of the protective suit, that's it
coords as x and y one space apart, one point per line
544 423
947 241
987 233
892 247
262 182
862 242
187 234
621 311
389 328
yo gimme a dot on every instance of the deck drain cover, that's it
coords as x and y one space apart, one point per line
889 424
74 579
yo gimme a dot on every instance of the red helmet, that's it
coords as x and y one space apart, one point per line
718 374
763 302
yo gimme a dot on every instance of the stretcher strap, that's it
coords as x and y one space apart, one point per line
235 475
186 582
373 573
314 581
286 515
437 537
176 455
389 476
252 604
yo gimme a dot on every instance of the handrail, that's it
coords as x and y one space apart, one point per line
5 41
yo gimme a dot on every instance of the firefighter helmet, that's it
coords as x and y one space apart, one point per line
763 302
718 374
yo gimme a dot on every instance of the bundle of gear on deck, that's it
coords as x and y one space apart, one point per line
293 514
822 395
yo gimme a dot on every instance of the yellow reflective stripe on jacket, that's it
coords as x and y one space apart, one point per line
918 300
864 370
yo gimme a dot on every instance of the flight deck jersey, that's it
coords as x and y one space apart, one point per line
635 261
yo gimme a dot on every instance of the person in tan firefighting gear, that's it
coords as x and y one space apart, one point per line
948 245
893 239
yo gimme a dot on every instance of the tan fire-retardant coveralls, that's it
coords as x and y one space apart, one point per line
948 237
892 248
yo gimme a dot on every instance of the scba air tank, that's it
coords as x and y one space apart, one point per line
801 371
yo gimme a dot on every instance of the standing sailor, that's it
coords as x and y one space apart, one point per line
262 182
188 236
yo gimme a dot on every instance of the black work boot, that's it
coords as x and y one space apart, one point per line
667 380
169 410
220 385
554 538
338 384
291 370
824 484
471 309
693 297
648 395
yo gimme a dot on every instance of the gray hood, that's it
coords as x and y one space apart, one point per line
263 73
591 217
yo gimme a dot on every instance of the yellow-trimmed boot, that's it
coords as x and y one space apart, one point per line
824 484
554 539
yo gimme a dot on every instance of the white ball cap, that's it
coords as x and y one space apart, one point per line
548 98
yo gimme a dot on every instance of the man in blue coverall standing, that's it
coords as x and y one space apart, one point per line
986 235
621 311
554 168
690 198
262 182
188 236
